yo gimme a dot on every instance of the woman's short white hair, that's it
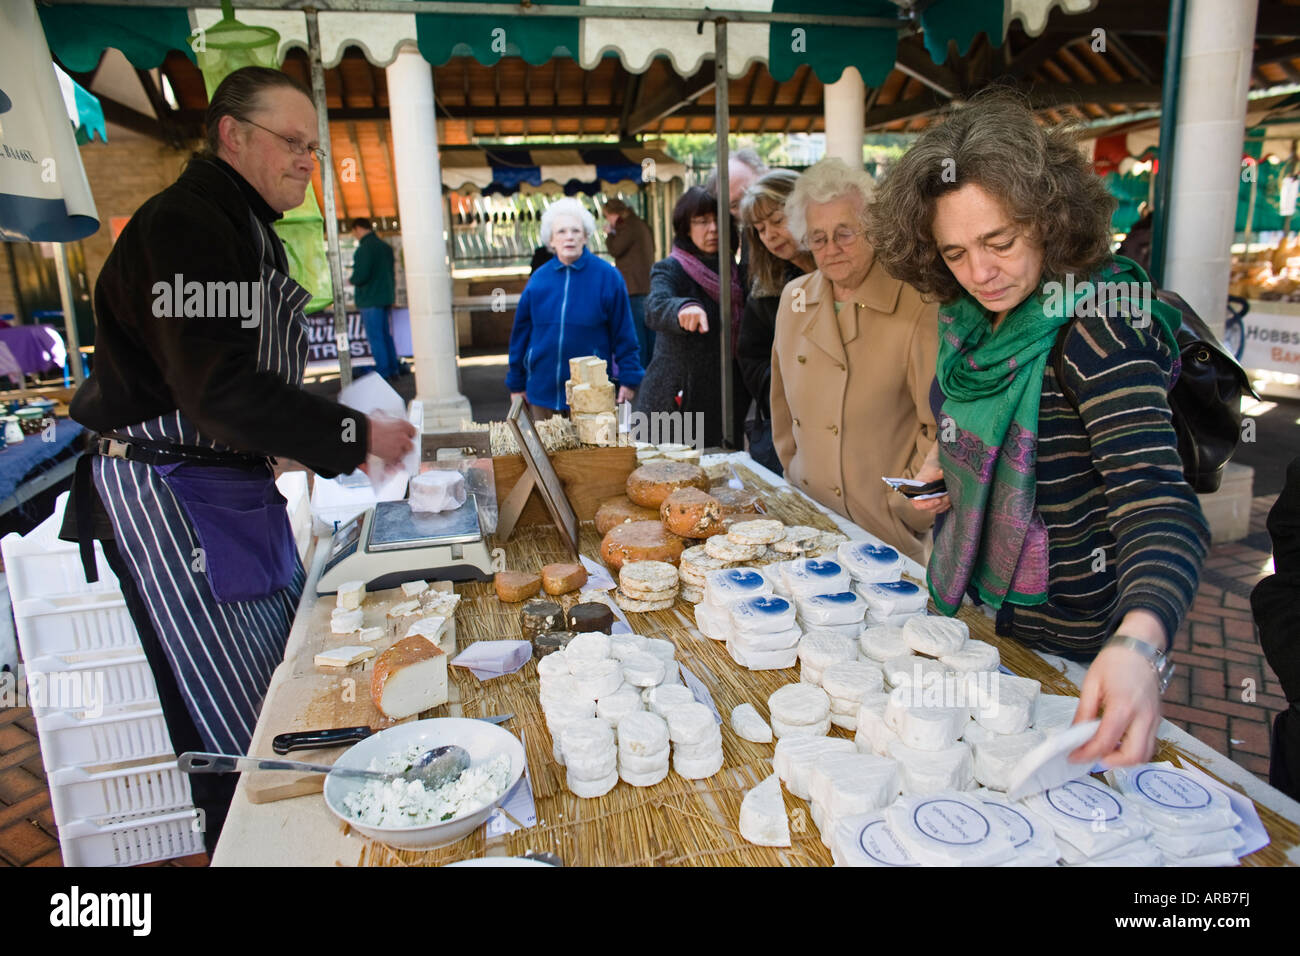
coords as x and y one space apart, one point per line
825 181
568 206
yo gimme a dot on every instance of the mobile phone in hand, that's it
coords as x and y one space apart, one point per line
917 490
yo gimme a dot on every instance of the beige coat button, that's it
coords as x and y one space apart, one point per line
802 359
837 492
835 429
796 421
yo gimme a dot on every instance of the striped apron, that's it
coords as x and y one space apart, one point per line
222 654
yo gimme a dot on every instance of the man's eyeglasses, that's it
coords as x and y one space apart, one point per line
295 147
843 237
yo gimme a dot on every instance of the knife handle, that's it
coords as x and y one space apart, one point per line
319 739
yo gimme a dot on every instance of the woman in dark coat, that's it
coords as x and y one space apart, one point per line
682 309
775 259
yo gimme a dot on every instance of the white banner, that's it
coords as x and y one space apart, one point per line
1272 331
44 195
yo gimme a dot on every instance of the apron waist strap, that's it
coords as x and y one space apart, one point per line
153 452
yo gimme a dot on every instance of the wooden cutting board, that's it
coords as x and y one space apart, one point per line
319 698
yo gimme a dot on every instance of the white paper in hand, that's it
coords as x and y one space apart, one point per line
1048 764
371 395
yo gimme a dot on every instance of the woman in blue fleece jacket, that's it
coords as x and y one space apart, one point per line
574 305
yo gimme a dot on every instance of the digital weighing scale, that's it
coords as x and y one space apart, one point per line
389 544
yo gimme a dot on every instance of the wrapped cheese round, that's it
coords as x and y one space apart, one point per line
641 541
650 484
435 491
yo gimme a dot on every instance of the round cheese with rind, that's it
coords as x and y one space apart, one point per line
874 733
642 733
808 674
614 707
667 697
913 671
666 651
597 679
820 649
795 758
1007 712
799 704
819 729
594 767
690 723
761 660
713 622
883 643
850 679
644 779
932 771
643 670
588 646
997 755
698 751
644 763
935 636
846 783
622 646
698 769
973 656
590 789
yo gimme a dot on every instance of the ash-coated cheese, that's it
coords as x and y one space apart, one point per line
351 594
935 636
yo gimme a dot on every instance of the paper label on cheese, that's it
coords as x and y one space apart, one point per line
1085 801
1173 790
878 842
1022 831
951 822
699 691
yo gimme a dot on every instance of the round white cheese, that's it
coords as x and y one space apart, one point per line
850 679
799 704
645 779
935 636
690 723
749 724
698 769
666 697
643 670
819 729
883 643
997 756
820 649
587 646
588 789
644 763
763 819
840 607
642 733
614 707
974 656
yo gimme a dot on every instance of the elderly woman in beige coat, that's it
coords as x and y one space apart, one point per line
852 366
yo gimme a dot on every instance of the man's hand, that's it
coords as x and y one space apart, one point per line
625 394
391 439
693 318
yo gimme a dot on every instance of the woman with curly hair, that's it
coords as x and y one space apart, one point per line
1066 509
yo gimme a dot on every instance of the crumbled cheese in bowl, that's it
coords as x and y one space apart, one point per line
406 803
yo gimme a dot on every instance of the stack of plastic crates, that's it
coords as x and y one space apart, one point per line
117 795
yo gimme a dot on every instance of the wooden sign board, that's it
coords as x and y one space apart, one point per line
538 473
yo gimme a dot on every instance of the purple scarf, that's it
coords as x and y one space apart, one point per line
708 280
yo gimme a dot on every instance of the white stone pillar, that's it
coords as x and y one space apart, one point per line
1218 44
424 246
844 103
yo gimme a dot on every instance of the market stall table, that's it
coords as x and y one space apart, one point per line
29 467
675 822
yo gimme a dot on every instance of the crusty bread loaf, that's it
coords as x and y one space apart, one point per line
515 586
691 513
654 481
563 578
409 678
616 511
641 541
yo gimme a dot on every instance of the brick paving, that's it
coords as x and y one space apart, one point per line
1224 694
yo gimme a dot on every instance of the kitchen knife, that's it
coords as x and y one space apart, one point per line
321 739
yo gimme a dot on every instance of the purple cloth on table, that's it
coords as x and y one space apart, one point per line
17 462
9 367
37 348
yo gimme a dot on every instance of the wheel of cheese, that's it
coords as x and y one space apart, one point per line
650 484
698 769
642 733
597 679
643 763
643 670
705 748
614 707
694 595
589 789
666 697
617 511
409 677
649 779
819 729
641 541
736 501
563 578
691 513
594 767
591 646
643 607
763 531
590 616
647 576
512 586
691 723
799 704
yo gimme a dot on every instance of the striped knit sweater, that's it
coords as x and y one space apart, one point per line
1125 531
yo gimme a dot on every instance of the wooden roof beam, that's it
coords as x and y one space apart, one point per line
673 98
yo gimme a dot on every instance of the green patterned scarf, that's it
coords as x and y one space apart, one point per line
994 540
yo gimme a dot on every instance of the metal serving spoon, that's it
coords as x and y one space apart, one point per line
433 768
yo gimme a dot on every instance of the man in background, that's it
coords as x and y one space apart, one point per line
744 167
372 277
628 240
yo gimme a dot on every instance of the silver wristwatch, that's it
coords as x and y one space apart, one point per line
1158 660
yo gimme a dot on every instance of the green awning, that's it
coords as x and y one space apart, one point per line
79 34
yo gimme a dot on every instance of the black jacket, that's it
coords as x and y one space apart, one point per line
146 366
754 350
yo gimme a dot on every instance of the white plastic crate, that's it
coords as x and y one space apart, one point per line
74 623
109 795
131 842
39 564
128 733
93 685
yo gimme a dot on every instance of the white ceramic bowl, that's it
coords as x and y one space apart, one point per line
481 740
